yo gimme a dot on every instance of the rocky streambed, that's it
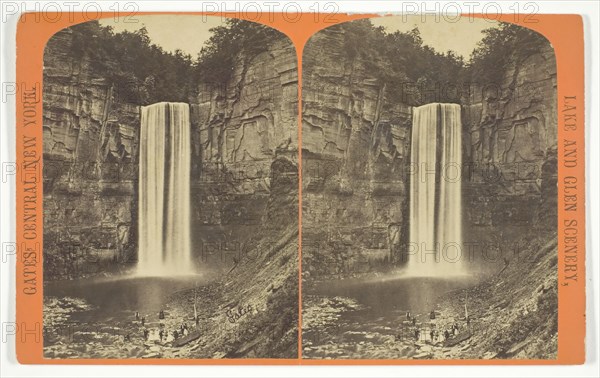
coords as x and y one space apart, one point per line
511 314
379 320
97 318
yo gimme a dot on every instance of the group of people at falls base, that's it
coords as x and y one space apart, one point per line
430 331
161 334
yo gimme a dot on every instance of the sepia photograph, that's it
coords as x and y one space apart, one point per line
429 191
299 189
170 190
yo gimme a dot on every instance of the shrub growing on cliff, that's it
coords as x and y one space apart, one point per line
499 47
237 39
413 72
399 59
140 72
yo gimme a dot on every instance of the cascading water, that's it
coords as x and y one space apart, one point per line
164 191
435 192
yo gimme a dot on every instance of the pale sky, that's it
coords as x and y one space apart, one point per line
171 32
460 36
189 32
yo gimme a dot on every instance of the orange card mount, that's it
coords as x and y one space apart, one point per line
334 190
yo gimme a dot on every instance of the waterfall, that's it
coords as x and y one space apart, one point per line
164 190
435 192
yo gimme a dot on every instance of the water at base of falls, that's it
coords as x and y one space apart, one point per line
164 191
436 247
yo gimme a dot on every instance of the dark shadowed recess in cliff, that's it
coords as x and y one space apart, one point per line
144 73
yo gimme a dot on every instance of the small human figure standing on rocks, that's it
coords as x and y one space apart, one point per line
143 320
137 315
161 314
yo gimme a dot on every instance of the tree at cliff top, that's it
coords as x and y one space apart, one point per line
402 59
498 48
399 59
140 71
143 73
237 39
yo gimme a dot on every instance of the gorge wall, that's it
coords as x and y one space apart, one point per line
356 155
90 166
510 159
243 132
355 151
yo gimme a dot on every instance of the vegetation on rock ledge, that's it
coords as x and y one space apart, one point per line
144 73
412 70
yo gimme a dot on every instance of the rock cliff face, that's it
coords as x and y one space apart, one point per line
355 150
356 155
242 131
90 167
510 135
